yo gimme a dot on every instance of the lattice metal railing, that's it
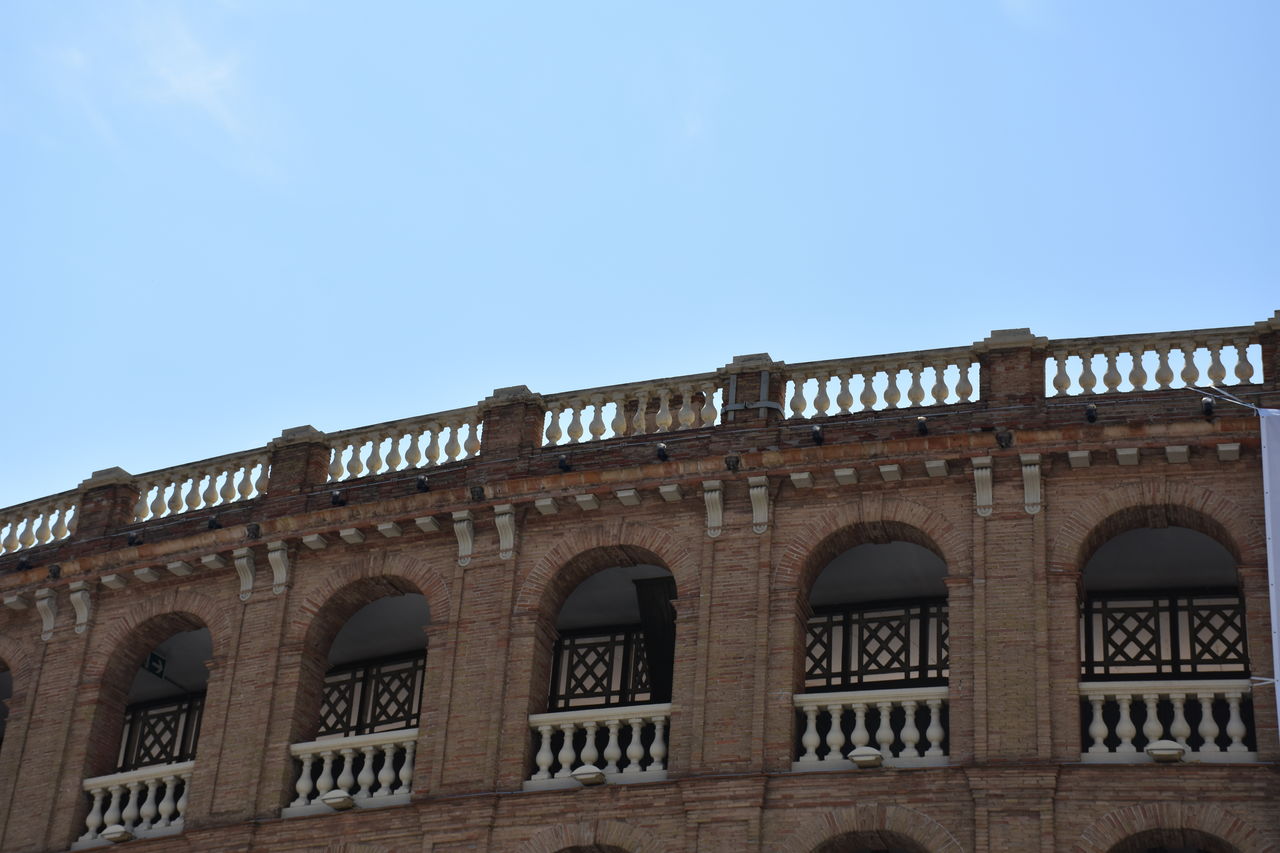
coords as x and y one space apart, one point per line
1152 635
160 732
599 667
372 696
874 645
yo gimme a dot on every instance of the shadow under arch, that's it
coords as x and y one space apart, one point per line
1208 826
907 828
870 842
601 836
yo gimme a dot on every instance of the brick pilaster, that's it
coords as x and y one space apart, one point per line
106 503
1012 372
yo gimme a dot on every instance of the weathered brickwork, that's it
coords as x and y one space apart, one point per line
1014 779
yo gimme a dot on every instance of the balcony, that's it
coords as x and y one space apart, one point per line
145 803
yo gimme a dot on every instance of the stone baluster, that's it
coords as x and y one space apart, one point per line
1125 728
1087 380
1164 373
1217 372
567 752
1208 728
406 767
182 801
708 414
658 749
590 754
884 731
810 739
387 772
336 468
619 423
227 493
1179 728
112 817
868 396
639 425
192 499
149 807
687 416
432 453
169 803
935 733
612 749
1111 379
11 538
915 393
347 778
892 396
964 388
1152 730
662 418
844 397
325 783
1244 368
453 447
1190 373
366 777
822 402
27 537
939 390
394 457
835 735
93 821
910 735
174 504
1137 375
798 402
1235 725
244 489
472 445
304 784
129 817
158 503
412 453
635 749
373 462
575 422
1097 726
43 533
860 736
544 756
1061 381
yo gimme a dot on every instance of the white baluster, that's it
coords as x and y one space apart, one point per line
11 539
619 422
432 453
638 419
596 427
304 784
635 749
60 529
325 783
915 393
355 467
935 733
406 768
1180 729
567 753
1152 730
868 396
1190 373
884 731
93 821
798 402
472 445
810 739
1097 726
228 491
859 735
553 433
26 537
575 421
182 801
658 749
1235 726
662 418
193 491
42 532
129 817
1087 379
394 459
1111 379
1244 368
939 390
347 778
835 735
453 447
210 493
245 487
387 773
149 810
964 388
686 416
139 509
413 455
336 468
1208 727
612 751
1061 381
373 462
264 474
844 397
366 777
1125 728
158 502
1137 376
590 754
1217 373
892 396
910 731
709 413
822 402
168 803
112 817
1164 373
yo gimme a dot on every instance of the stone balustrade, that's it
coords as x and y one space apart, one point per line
1207 717
628 743
1159 361
142 803
363 771
907 725
213 482
37 522
933 377
405 444
644 408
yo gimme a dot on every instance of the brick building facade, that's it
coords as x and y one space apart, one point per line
954 600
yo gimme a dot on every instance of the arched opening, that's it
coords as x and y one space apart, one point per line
165 703
1173 841
870 842
876 655
612 658
1163 650
361 724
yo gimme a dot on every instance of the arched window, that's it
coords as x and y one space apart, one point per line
165 702
876 659
360 742
608 702
1163 651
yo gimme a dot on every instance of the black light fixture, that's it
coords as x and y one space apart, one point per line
662 451
214 524
252 531
563 463
732 462
24 563
135 538
1206 406
423 485
816 432
922 426
477 493
55 572
1091 413
1004 438
336 498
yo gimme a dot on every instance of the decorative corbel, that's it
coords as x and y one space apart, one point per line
278 557
464 529
47 607
759 503
245 569
713 495
80 604
982 484
504 516
1031 498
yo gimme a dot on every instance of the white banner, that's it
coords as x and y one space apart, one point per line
1269 420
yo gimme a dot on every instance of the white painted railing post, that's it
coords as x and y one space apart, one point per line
643 762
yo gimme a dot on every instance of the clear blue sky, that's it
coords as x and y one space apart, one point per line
221 219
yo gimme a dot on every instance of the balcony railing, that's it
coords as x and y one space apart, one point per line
144 803
363 771
627 744
869 645
599 667
1211 719
908 726
161 732
370 696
